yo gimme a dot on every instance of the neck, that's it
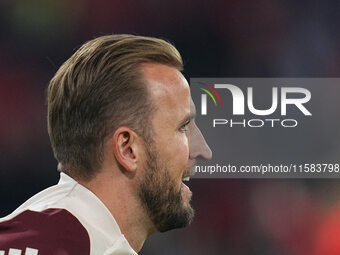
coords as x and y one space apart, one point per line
120 197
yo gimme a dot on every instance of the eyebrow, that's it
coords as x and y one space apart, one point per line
192 115
188 117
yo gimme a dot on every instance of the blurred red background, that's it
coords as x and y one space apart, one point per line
265 38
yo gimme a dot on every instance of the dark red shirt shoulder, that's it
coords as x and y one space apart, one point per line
50 232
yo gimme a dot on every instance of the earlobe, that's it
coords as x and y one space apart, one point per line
125 148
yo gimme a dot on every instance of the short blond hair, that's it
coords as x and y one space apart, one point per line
99 88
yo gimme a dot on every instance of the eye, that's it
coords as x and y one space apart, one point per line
184 127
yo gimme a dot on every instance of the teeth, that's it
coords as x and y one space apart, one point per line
186 179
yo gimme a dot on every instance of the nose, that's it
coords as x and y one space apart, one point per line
198 147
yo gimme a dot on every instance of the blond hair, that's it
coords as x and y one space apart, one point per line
99 88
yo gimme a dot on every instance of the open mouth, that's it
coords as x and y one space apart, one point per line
186 179
184 187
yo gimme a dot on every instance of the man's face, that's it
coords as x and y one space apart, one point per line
162 192
198 146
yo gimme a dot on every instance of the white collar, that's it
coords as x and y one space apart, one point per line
93 211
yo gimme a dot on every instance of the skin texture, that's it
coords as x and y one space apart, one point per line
198 146
162 192
170 93
140 182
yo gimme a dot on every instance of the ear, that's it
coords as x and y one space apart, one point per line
125 148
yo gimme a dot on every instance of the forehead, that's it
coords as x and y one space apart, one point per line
192 107
170 95
166 84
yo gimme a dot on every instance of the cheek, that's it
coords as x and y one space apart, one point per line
177 150
183 155
187 147
174 152
183 145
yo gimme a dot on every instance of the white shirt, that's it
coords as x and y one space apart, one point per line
104 233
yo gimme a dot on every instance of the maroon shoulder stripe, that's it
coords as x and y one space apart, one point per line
50 232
